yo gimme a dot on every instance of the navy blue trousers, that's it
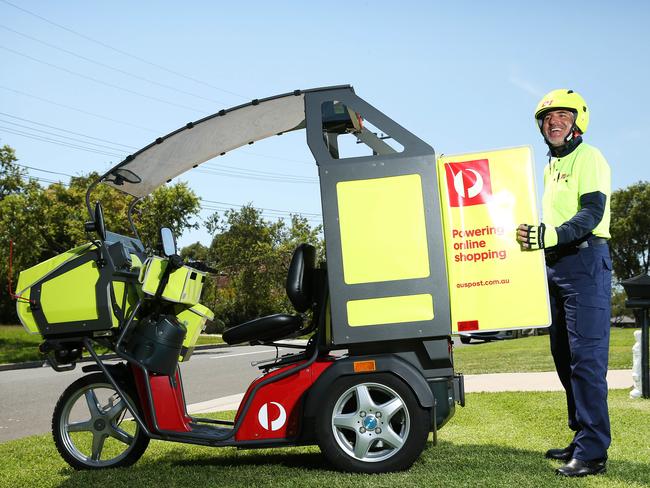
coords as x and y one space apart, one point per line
580 295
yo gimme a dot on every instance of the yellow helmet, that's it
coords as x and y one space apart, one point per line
567 99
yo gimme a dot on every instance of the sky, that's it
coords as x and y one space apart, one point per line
84 84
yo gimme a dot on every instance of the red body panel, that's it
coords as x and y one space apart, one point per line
168 401
276 409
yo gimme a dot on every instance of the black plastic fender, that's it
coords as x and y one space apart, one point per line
384 363
119 370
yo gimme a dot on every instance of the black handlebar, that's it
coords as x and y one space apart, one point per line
201 266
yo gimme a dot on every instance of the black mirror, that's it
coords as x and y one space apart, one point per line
100 226
97 224
168 241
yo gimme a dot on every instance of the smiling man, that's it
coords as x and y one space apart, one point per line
574 236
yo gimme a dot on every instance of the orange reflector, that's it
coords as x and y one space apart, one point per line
364 366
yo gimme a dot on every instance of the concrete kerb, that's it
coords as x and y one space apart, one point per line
474 383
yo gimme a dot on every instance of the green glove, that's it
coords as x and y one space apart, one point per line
536 236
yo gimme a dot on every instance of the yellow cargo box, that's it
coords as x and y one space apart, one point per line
194 320
70 294
184 286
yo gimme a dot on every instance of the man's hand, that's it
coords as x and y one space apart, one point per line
536 236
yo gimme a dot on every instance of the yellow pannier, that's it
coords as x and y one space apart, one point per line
184 285
194 320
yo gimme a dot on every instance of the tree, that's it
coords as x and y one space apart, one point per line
252 256
630 230
619 311
194 252
174 206
43 222
12 177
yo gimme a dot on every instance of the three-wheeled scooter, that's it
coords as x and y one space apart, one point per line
381 298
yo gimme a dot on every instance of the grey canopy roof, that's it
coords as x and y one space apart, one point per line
169 156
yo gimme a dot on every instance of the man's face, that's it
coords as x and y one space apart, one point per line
556 126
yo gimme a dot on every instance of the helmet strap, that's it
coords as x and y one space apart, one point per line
568 147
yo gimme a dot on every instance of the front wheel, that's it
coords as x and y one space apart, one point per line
91 426
372 424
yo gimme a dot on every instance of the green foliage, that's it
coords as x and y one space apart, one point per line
173 206
43 222
512 356
252 256
619 311
194 252
630 229
12 177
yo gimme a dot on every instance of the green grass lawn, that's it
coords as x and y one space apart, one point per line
16 345
531 354
518 355
209 339
497 440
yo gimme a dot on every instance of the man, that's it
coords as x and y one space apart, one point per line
574 235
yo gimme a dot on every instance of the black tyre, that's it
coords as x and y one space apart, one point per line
92 428
372 423
465 339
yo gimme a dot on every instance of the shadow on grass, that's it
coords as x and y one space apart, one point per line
448 463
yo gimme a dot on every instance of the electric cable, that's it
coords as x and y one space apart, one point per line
111 85
123 52
261 208
107 66
44 170
68 131
41 131
265 175
58 143
205 204
121 122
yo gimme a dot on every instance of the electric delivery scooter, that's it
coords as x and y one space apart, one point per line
380 298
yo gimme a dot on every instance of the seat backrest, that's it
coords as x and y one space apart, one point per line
300 277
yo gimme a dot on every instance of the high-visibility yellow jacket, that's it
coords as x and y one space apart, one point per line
577 190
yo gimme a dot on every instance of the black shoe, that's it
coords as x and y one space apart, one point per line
576 467
561 454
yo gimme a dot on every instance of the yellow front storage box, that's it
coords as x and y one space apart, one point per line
184 285
194 320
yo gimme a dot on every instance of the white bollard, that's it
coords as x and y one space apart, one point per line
636 365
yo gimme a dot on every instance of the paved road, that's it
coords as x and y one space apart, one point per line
28 396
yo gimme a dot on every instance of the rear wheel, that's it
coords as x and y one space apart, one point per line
372 424
92 428
465 339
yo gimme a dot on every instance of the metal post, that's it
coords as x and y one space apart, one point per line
645 372
642 307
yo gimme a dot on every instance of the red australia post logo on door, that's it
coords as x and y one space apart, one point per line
468 183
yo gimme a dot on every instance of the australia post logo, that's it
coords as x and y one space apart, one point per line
272 416
468 183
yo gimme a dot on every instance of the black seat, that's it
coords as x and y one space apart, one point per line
300 290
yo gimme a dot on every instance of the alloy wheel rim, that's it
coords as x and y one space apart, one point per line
104 423
370 422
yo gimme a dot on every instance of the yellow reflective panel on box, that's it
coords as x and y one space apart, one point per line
493 284
383 232
70 297
390 310
184 284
